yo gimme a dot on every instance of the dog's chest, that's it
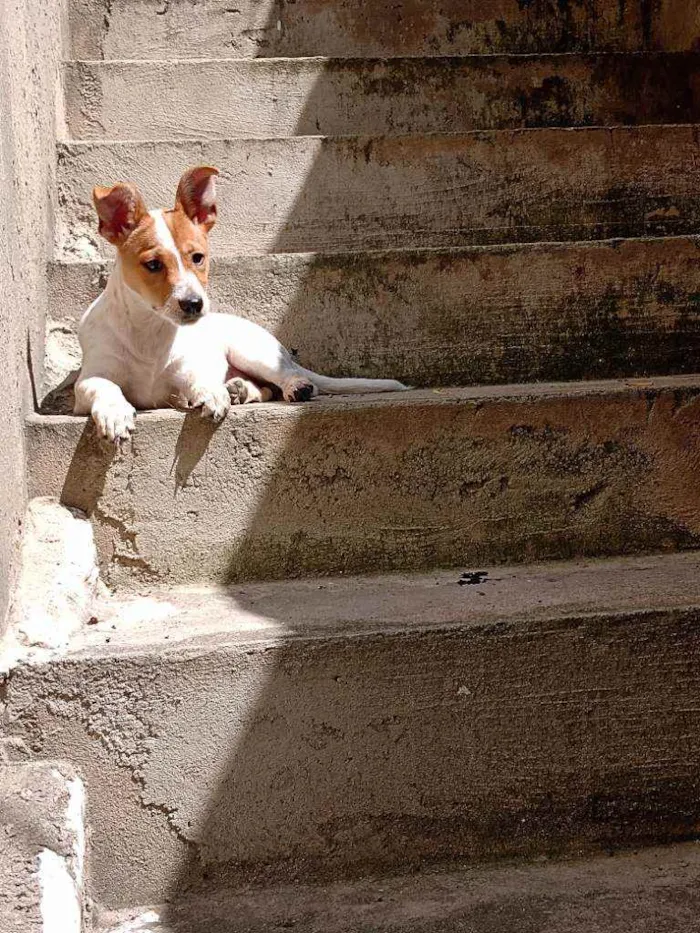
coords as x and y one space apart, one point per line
196 357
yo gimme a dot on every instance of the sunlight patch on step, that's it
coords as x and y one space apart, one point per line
141 924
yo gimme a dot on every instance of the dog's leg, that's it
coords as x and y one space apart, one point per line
255 352
258 354
104 401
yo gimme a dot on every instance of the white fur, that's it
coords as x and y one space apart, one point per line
138 357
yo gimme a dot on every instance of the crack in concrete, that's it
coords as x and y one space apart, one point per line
106 24
124 732
127 537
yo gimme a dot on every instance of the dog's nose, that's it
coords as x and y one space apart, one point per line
191 307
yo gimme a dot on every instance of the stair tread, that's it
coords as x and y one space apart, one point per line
640 892
66 145
206 618
98 263
343 60
448 395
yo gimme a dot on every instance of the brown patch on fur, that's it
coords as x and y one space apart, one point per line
190 239
141 247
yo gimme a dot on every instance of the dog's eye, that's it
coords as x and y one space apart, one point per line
198 258
153 265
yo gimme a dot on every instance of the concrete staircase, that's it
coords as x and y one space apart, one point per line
497 202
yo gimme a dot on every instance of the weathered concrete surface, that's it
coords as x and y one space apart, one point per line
338 97
411 481
308 194
294 731
31 49
454 317
43 848
648 892
383 28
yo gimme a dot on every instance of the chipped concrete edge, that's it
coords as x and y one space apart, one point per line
57 583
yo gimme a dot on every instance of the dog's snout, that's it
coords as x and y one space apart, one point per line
191 307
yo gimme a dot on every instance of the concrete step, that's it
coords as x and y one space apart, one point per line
305 732
645 892
456 317
339 97
335 194
167 29
385 483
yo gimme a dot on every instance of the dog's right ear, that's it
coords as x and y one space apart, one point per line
120 209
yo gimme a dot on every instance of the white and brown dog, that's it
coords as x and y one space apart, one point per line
149 340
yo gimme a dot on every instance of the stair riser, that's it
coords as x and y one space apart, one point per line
329 757
431 480
462 317
296 195
126 100
352 28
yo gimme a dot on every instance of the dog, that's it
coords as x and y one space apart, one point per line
150 341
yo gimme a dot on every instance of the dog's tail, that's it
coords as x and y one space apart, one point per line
327 385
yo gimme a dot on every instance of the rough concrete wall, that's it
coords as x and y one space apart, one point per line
31 48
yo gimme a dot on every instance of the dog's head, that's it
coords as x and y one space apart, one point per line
164 254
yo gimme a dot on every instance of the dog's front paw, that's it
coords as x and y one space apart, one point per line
214 401
299 389
114 420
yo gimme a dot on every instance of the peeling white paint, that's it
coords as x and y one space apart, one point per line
75 823
60 900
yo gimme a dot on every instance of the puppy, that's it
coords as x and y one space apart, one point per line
149 340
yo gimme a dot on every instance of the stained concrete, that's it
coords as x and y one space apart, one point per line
43 848
31 49
655 891
451 317
337 194
383 28
337 97
409 481
301 731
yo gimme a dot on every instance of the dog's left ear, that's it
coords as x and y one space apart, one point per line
196 195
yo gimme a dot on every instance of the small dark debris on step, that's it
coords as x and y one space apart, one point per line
473 578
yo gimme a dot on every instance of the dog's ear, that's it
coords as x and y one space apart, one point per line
196 195
120 209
